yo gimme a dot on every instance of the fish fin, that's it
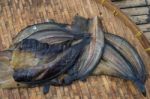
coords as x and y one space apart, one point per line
83 79
72 76
79 24
5 68
46 89
68 80
141 87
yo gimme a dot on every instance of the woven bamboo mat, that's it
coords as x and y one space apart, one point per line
17 14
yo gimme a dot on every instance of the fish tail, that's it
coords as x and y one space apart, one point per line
141 87
79 24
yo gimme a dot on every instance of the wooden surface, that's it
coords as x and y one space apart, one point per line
138 11
17 14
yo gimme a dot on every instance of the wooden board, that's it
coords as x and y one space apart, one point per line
17 14
138 11
147 34
132 3
141 19
145 27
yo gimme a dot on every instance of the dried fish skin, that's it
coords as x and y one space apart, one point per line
130 53
26 32
113 63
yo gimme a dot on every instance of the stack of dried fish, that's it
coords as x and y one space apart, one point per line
58 54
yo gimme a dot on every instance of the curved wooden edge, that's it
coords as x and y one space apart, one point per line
128 22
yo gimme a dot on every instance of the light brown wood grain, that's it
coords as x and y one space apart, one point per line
136 10
141 19
147 34
145 27
132 3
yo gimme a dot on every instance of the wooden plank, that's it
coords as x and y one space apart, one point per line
147 34
136 11
148 2
131 3
141 19
145 27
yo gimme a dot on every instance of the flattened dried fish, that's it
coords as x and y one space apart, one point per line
58 54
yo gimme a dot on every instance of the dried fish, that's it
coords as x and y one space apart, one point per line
57 54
